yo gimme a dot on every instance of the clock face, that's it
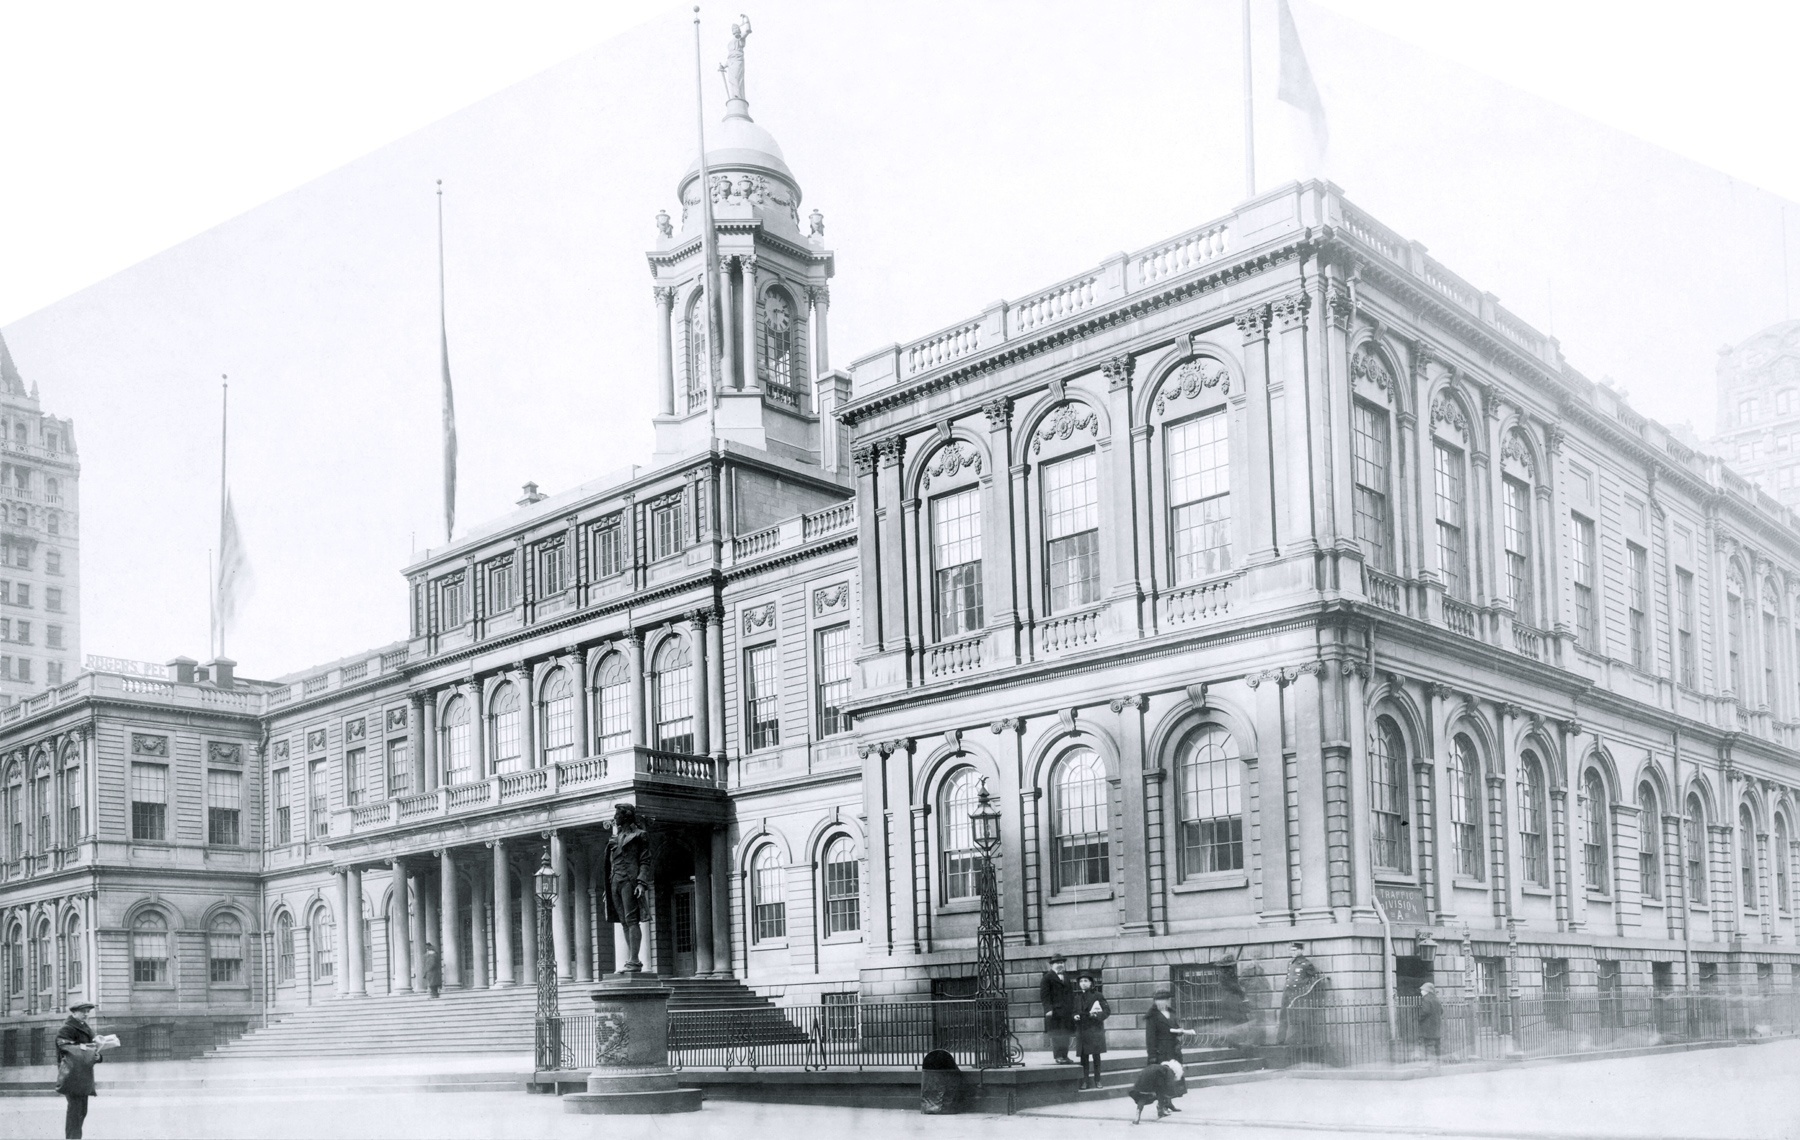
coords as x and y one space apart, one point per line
778 318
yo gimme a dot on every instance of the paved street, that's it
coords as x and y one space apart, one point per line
1721 1094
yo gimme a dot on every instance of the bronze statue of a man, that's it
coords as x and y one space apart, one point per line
628 880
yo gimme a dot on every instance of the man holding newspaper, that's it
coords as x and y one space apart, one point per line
77 1052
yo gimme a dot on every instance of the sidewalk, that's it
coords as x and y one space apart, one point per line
1741 1093
326 1075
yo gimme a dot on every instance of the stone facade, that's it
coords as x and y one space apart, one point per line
40 542
1759 410
1282 584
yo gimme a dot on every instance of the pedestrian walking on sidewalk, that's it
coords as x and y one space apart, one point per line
1057 993
1091 1012
76 1055
1431 1021
1161 1079
432 973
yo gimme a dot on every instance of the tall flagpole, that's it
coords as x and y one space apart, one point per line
1249 114
709 245
449 397
224 424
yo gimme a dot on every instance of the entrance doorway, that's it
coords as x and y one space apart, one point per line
682 922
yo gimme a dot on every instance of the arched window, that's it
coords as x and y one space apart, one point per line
1780 857
1649 843
699 363
1593 832
1746 858
779 330
674 681
1771 620
41 801
956 835
615 703
1734 631
1387 770
46 958
1450 498
284 947
558 698
225 951
1071 494
1516 532
1080 828
77 958
1198 455
843 891
1694 833
1534 848
1371 459
508 744
1210 806
150 949
768 906
956 562
457 756
1465 808
72 796
15 952
323 937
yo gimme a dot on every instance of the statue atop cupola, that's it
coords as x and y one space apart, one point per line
773 268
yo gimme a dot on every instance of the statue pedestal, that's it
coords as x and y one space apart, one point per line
631 1044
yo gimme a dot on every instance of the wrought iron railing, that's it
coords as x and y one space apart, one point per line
846 1035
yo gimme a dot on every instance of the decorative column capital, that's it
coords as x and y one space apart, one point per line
1007 724
892 449
1512 710
1290 312
1341 304
1135 701
665 295
1572 727
1253 323
818 296
1441 691
862 458
999 413
1118 371
703 616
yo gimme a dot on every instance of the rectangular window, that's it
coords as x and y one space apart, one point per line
1734 644
1072 529
223 808
225 957
500 589
23 597
452 605
22 559
53 672
52 563
399 768
53 637
842 893
552 568
1637 594
150 956
1452 550
23 629
1518 549
956 559
831 662
354 774
278 792
665 530
1684 625
770 910
149 801
609 547
71 781
762 697
1369 452
1199 470
318 799
1581 544
615 713
53 600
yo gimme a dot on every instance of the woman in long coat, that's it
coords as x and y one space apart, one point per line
1091 1012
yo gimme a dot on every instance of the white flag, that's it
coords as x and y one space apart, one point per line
1296 88
235 581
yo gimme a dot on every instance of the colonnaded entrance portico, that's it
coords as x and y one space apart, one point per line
467 889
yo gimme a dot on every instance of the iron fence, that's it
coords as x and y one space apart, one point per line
1347 1033
846 1035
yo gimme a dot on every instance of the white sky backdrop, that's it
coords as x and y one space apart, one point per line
960 152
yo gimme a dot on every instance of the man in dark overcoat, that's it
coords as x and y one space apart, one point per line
430 971
76 1056
1057 991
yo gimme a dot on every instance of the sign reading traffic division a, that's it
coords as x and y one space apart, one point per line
1404 905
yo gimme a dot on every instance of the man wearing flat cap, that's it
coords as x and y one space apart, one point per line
1057 992
76 1055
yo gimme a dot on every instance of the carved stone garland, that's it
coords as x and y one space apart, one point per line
1191 379
951 459
1063 423
1367 367
1444 410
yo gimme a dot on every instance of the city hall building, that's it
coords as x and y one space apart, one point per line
1278 583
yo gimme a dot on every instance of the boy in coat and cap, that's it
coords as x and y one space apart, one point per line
76 1055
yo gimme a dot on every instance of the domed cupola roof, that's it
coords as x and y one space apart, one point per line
750 178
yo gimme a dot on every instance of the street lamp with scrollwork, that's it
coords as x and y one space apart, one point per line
996 1045
549 1016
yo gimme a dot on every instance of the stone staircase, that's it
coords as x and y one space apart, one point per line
493 1021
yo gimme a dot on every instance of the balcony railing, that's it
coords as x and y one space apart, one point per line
1384 590
1460 617
534 784
1069 632
1190 605
955 658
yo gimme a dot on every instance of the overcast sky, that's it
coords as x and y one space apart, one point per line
196 189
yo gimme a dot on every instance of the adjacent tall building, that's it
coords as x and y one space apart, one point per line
1279 582
1759 410
40 545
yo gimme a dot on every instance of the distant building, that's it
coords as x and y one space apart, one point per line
1759 410
40 549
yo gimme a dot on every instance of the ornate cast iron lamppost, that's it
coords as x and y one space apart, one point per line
996 1046
549 1015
